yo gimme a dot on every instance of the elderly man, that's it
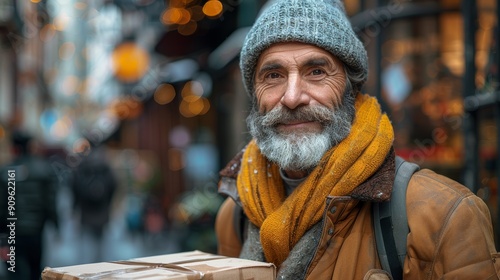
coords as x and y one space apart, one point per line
322 154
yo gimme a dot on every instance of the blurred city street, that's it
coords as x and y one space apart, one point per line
71 247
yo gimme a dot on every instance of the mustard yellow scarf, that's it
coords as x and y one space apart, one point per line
283 220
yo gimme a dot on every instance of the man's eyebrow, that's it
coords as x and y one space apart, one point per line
274 65
269 66
317 62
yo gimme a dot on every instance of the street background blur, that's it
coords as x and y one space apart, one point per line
151 91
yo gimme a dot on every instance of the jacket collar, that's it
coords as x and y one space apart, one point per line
377 188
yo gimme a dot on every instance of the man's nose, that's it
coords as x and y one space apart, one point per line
295 93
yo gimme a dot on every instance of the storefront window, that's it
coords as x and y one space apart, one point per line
420 79
488 116
443 105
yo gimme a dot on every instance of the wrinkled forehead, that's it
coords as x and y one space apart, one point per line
298 53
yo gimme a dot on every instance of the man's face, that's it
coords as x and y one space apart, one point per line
302 108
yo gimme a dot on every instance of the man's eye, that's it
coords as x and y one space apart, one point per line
273 75
317 72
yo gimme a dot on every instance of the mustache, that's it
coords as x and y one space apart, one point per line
281 115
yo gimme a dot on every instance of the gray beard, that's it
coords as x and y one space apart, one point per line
301 151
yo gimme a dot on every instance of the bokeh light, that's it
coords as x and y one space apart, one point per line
193 103
175 16
47 32
67 50
179 137
81 145
61 22
130 62
164 94
61 128
185 17
194 107
206 106
192 89
213 8
184 110
126 108
48 118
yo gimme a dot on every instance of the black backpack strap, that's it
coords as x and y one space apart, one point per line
391 223
239 220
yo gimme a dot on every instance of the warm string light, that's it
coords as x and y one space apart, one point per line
126 108
192 101
213 8
130 62
185 17
164 94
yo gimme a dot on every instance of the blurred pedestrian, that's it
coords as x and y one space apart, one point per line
29 186
94 186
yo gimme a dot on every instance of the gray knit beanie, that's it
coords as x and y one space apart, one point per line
322 23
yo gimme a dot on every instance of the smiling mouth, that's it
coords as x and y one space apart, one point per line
295 123
299 126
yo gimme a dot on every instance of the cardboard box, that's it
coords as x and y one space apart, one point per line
188 266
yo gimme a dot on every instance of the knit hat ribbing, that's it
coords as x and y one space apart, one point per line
322 23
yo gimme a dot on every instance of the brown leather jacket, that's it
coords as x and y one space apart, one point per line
451 235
